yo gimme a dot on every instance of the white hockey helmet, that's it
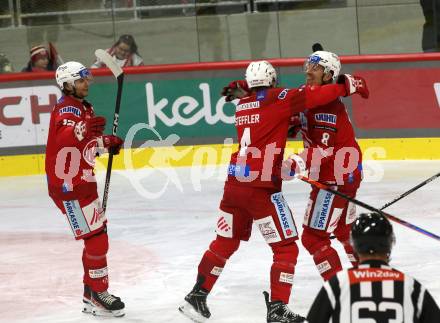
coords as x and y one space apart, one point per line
260 73
70 72
328 60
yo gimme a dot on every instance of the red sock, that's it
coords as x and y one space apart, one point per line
327 261
282 271
210 268
281 280
95 262
214 260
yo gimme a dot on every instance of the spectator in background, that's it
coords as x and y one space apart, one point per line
41 60
125 53
431 27
5 64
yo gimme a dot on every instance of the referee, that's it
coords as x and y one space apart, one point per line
373 292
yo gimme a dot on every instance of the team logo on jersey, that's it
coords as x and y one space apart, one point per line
284 215
261 95
325 117
89 152
283 94
70 109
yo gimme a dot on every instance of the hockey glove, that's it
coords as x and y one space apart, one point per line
235 90
294 164
90 128
294 126
112 143
354 84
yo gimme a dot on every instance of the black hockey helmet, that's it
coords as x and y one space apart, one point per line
372 233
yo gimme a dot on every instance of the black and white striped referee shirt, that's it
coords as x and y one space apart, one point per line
373 293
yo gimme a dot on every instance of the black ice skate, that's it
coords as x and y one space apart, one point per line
278 312
195 306
87 300
102 304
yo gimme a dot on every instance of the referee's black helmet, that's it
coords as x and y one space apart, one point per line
372 233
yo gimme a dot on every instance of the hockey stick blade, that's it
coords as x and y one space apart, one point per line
108 60
368 207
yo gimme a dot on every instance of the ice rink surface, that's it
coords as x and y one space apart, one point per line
156 244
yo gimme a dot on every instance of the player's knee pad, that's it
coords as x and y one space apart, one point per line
224 247
314 240
97 245
286 253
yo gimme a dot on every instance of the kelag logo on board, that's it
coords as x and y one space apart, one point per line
188 106
186 110
25 114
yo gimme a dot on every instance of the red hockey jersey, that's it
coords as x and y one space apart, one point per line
328 134
69 162
262 121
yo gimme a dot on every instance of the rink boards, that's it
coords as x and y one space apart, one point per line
218 154
177 113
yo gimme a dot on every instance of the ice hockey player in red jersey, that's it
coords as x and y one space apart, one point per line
333 157
252 192
75 138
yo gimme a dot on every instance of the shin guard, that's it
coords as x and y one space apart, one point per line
214 260
95 262
327 262
325 257
282 271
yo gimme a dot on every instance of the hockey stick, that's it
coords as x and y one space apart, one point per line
368 207
415 188
318 47
119 75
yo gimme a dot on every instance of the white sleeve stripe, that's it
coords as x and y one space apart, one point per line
407 301
420 301
330 294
